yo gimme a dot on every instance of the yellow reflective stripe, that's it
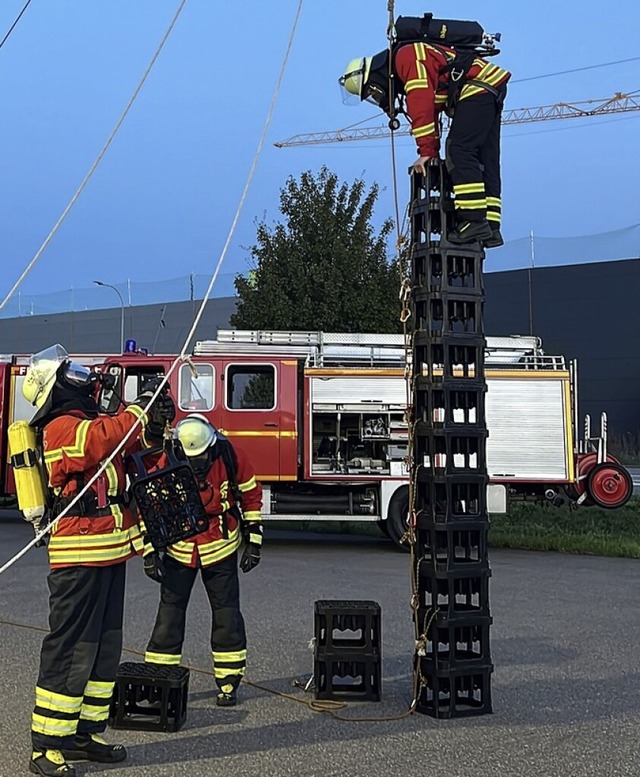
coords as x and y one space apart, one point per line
255 539
466 188
247 485
495 202
54 726
420 52
99 689
252 516
221 672
82 556
57 701
493 216
91 540
74 451
238 655
426 129
441 99
139 413
92 712
210 557
471 204
416 83
168 659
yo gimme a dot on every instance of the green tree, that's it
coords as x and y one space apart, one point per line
324 267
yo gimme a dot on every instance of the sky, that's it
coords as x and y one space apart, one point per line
162 201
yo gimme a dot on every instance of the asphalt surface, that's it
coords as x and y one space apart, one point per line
566 686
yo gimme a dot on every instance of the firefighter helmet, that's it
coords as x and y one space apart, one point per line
196 434
41 375
355 77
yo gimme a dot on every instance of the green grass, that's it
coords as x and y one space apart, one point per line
584 531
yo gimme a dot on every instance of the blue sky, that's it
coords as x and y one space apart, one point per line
161 203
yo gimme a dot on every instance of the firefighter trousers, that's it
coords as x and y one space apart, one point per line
473 157
228 639
80 654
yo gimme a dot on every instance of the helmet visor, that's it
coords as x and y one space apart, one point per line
351 82
54 354
77 374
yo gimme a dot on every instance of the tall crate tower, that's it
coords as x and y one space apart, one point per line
448 469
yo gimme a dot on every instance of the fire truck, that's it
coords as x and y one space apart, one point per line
323 418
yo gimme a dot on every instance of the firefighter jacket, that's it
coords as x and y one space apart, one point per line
99 529
223 536
422 69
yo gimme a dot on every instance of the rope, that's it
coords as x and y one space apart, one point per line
327 706
15 22
182 356
97 160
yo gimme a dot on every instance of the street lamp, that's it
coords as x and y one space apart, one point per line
109 286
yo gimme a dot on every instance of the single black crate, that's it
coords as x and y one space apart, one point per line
454 693
448 315
347 626
446 272
454 595
168 498
149 697
448 358
461 644
449 452
431 222
449 548
350 678
442 405
432 188
458 499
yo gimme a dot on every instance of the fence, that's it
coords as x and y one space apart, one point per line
531 251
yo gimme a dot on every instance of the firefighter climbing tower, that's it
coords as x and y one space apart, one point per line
448 469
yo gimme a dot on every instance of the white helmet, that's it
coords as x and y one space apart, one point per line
196 434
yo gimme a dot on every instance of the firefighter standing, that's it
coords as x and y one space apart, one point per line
226 481
473 99
87 550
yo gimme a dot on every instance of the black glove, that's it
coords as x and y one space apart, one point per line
252 533
162 411
154 566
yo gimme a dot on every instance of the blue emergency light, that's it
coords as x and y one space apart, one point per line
130 346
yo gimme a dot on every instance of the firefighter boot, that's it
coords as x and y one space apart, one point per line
495 241
50 763
470 232
91 747
227 697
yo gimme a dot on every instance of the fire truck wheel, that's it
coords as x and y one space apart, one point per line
609 485
398 516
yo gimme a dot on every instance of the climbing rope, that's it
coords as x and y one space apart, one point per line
15 22
183 351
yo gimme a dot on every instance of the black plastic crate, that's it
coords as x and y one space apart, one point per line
347 626
454 693
450 548
460 499
449 452
450 315
446 406
349 678
448 358
450 596
168 497
460 644
442 272
149 697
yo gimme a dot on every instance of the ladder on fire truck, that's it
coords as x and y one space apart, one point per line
332 349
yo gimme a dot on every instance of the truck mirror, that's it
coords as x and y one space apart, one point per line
110 397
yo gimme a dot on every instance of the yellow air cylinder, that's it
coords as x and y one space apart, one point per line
27 470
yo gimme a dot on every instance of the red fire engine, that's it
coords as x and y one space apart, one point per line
322 417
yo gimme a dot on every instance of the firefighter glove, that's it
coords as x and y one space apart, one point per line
154 566
252 533
162 412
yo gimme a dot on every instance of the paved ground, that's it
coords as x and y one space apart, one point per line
566 685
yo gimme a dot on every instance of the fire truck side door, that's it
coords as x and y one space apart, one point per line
249 412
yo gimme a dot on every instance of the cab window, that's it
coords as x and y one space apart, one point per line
195 388
251 387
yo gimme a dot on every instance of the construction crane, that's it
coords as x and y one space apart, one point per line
619 103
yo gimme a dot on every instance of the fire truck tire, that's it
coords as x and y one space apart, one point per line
609 485
398 515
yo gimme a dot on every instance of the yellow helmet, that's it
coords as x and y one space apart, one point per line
41 377
355 77
196 434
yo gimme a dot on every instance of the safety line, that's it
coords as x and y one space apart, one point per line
326 706
15 22
97 160
182 356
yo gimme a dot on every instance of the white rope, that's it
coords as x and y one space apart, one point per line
182 356
96 162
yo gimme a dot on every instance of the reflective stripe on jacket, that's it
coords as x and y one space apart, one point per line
74 448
